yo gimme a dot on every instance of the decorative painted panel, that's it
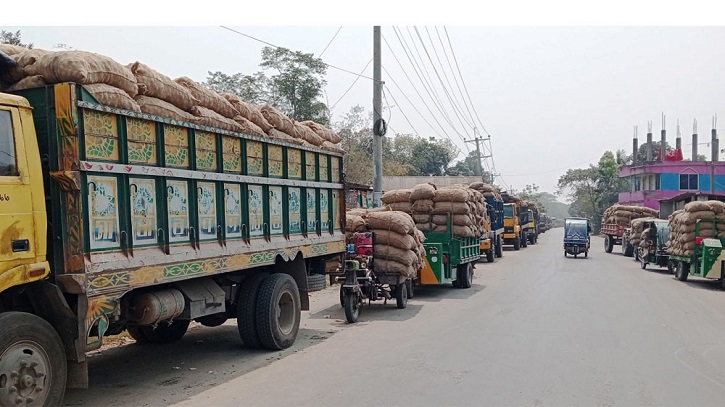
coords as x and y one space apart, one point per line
295 211
206 202
324 210
176 146
256 211
205 151
335 169
178 206
294 163
232 150
276 223
141 141
324 173
255 158
336 209
311 211
274 160
143 210
103 210
311 166
101 132
233 210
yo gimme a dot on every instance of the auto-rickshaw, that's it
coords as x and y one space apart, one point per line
576 236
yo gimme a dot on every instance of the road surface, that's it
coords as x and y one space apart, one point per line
535 329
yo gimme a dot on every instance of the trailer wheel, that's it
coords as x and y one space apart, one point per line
247 310
409 287
352 307
498 247
517 243
465 275
32 361
401 296
682 271
342 296
608 244
278 311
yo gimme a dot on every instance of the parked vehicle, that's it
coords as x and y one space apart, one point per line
449 259
492 241
576 236
653 250
707 260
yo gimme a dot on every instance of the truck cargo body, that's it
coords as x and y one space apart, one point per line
612 235
448 259
708 260
152 223
492 241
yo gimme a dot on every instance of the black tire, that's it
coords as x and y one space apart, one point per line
401 296
164 333
489 255
27 338
670 266
247 310
628 250
342 296
525 241
586 254
316 282
682 271
499 247
352 307
213 320
575 255
465 275
409 287
564 254
278 312
608 244
642 264
517 243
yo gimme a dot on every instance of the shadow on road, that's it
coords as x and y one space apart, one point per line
375 311
703 284
436 293
151 374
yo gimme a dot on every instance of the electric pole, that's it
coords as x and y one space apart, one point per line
379 126
477 139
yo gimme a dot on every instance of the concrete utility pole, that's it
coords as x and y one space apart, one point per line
477 139
378 124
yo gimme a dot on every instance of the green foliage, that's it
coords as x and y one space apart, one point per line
546 201
251 88
468 167
13 38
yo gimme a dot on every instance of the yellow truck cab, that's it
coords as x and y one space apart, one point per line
512 225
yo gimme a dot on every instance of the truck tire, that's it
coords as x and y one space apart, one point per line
247 310
465 275
517 243
213 320
278 312
627 249
608 244
682 271
32 349
316 282
524 241
489 255
499 247
401 296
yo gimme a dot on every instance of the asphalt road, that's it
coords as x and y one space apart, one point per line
535 329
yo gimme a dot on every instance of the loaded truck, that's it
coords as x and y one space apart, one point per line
449 258
707 259
514 214
491 241
532 229
114 220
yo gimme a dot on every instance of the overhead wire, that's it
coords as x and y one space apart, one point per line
351 85
328 44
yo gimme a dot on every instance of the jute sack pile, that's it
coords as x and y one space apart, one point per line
207 98
398 200
397 246
636 234
623 215
683 226
465 207
160 86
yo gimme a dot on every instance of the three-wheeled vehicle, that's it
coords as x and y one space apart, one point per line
363 281
653 250
576 236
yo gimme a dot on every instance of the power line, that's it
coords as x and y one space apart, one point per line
353 84
276 46
403 113
328 44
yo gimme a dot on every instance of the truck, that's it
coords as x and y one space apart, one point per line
117 221
449 259
491 241
543 223
707 260
514 233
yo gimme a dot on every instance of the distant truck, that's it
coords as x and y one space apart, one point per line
515 224
115 220
491 242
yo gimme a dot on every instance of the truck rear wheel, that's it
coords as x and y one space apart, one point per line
608 244
517 243
278 311
247 310
489 255
498 248
465 275
33 369
682 271
524 241
316 282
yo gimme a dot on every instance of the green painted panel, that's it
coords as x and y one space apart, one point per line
295 211
276 223
143 211
206 204
232 210
256 210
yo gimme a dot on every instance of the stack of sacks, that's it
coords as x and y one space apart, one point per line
623 215
421 199
253 120
398 245
398 200
533 207
488 191
636 234
643 237
159 95
354 223
683 225
465 207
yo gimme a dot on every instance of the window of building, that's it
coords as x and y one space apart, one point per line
658 182
8 165
637 183
689 182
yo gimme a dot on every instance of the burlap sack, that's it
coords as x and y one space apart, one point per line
456 220
401 206
208 117
161 108
396 195
305 133
426 226
28 82
282 136
420 239
22 60
422 206
706 214
247 110
248 127
333 147
354 223
463 231
10 49
716 206
697 206
157 85
393 267
278 120
207 98
451 207
387 252
423 192
421 218
322 131
84 68
384 237
111 96
451 195
398 222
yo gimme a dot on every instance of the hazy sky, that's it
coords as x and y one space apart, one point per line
552 98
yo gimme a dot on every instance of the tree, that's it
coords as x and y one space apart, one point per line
251 88
432 157
13 38
469 166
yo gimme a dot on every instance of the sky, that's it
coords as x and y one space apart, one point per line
552 98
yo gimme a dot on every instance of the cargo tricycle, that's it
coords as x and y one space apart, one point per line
654 248
576 236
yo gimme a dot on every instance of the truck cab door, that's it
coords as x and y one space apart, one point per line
17 226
